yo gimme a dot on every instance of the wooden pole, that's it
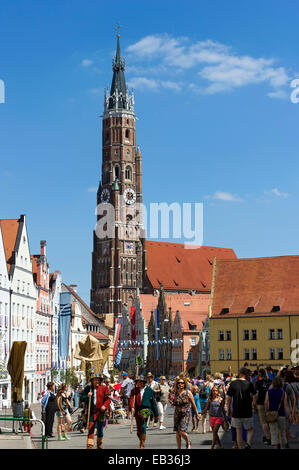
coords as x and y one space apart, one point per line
88 414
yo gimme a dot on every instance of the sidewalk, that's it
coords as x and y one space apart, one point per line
20 440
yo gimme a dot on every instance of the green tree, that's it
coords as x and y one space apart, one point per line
69 377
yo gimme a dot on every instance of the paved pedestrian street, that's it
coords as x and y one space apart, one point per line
118 436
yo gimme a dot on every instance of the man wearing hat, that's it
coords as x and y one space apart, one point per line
99 397
142 398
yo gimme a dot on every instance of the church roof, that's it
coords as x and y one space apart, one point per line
256 286
178 268
118 81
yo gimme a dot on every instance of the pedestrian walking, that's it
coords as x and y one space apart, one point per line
153 384
162 400
204 392
287 379
142 405
125 392
215 405
49 408
262 384
277 407
195 393
97 395
63 415
241 391
182 402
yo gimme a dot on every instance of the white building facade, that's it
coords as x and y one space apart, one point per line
23 295
5 384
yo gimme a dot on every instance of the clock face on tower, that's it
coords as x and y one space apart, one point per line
129 196
105 196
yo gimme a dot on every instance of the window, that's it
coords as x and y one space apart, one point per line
193 341
253 354
221 354
128 173
221 335
245 334
246 355
271 334
228 354
279 333
228 335
116 172
253 334
190 356
127 134
279 353
272 354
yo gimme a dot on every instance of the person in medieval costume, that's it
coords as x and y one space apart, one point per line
142 405
98 395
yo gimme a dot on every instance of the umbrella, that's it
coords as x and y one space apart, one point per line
117 387
15 367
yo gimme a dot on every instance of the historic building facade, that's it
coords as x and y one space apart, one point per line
43 318
254 323
23 295
5 383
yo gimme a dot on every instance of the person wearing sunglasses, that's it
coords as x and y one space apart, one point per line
182 402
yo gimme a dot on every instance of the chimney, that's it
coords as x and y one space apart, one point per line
43 244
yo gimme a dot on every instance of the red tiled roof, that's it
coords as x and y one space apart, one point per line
179 268
98 335
197 319
10 229
261 283
199 304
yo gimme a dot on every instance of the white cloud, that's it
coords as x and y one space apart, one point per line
92 190
223 196
86 62
281 94
277 193
217 67
153 84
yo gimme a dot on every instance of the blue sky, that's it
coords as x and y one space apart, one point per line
216 123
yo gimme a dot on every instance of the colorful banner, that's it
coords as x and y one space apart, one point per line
116 335
157 324
133 323
64 325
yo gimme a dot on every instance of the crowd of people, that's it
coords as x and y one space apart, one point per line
218 401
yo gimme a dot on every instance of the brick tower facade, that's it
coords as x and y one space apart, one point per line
119 260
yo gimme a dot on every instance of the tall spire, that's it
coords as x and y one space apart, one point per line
119 98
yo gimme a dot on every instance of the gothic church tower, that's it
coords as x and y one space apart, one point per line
119 261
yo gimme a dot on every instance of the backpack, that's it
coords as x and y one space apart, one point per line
203 394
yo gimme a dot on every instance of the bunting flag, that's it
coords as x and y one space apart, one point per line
118 358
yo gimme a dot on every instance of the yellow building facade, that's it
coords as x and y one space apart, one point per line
253 341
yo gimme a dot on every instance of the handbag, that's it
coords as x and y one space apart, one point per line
272 416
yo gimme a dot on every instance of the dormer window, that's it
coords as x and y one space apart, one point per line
275 308
224 310
250 310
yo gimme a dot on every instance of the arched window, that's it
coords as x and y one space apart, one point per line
116 172
127 134
107 135
128 173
